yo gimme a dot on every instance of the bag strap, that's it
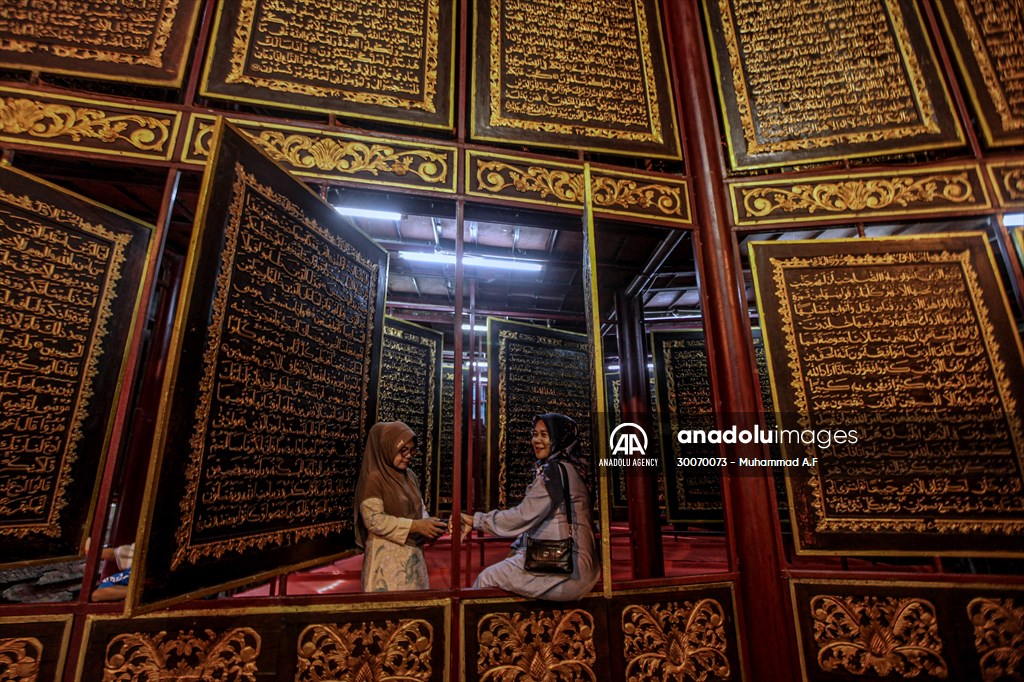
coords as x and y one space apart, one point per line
567 499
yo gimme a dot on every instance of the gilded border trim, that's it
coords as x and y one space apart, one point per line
46 120
919 191
1008 181
313 153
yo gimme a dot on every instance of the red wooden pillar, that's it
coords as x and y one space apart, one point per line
750 508
641 484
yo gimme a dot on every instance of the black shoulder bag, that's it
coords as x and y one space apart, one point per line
553 556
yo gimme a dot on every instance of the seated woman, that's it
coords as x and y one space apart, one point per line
391 521
541 515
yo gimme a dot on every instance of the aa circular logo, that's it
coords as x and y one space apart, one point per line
628 440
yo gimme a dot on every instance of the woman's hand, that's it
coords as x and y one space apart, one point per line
467 525
429 528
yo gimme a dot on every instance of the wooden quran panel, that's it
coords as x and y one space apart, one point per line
410 392
70 273
899 382
985 35
270 388
136 41
789 98
377 59
572 74
532 370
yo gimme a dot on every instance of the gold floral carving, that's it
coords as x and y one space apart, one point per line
539 646
331 155
877 636
327 154
160 657
1013 183
675 642
998 637
365 652
203 139
496 176
858 195
19 659
630 194
47 120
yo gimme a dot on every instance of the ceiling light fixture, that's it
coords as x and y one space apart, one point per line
471 261
353 212
1013 220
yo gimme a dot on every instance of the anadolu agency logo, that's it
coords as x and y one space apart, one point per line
628 445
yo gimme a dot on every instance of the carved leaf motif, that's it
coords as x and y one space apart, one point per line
998 637
365 652
629 194
19 659
676 641
328 154
48 120
495 176
1013 181
157 657
877 635
536 646
857 195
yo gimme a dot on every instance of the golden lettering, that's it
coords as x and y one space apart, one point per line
898 351
569 68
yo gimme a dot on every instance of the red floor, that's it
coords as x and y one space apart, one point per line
684 555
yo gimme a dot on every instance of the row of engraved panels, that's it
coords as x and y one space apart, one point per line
902 631
634 636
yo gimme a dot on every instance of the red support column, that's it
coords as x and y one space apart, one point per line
749 503
641 484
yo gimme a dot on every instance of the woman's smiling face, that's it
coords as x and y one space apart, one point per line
404 455
541 440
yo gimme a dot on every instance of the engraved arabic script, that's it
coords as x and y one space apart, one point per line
121 31
53 288
574 67
905 355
